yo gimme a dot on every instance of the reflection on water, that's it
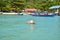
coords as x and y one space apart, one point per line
32 27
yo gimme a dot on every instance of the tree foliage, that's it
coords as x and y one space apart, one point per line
21 4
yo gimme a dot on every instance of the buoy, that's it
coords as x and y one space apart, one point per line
31 22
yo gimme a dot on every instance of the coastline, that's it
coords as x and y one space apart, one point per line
10 13
14 13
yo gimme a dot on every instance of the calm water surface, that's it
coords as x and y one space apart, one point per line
14 27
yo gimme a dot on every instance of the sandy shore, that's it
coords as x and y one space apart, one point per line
9 13
16 13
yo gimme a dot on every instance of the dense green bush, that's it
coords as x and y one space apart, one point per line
21 4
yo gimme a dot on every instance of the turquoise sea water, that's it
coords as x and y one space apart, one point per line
14 27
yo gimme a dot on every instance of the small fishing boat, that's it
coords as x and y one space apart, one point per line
30 22
47 15
20 13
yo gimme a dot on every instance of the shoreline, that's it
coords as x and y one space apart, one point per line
10 13
14 13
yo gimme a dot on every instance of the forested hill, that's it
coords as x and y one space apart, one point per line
21 4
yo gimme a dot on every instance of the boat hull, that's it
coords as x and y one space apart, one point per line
44 15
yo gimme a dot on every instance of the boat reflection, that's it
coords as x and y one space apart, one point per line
32 27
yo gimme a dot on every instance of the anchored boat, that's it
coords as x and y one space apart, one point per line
47 15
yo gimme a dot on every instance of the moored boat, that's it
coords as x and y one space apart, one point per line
49 14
